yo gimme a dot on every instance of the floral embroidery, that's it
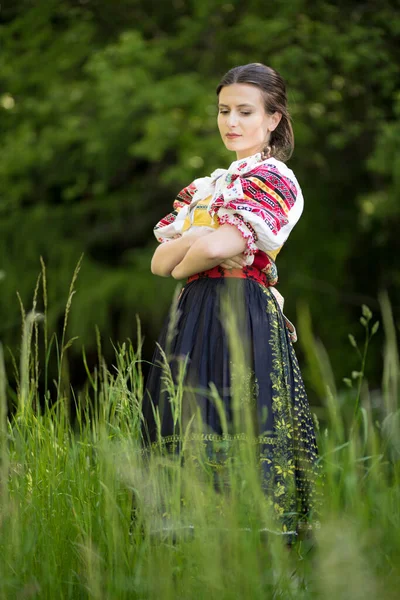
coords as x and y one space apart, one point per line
295 454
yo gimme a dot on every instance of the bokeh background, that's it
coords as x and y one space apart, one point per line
108 109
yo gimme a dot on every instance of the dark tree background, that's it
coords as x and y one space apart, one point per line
107 109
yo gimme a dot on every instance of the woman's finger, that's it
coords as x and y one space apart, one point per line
240 259
227 264
231 263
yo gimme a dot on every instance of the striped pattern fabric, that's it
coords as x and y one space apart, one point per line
170 227
268 201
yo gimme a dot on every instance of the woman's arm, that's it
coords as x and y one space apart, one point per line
208 252
169 254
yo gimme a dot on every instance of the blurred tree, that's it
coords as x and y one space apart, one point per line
108 109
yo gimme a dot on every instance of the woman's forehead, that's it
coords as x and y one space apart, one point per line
240 94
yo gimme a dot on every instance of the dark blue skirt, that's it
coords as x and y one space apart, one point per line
225 372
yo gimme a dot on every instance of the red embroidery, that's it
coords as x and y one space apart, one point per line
245 273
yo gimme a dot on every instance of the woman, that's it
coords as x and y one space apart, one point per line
223 238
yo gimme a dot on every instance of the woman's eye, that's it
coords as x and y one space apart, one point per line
226 112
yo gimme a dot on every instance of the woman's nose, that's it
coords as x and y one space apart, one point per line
232 119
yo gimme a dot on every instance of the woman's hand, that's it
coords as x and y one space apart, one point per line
236 262
168 255
210 251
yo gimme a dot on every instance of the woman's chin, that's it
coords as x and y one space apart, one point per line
229 145
233 146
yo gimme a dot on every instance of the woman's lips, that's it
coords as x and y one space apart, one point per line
233 136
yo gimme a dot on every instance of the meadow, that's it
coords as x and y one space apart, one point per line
72 461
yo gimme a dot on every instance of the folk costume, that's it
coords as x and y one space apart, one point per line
263 200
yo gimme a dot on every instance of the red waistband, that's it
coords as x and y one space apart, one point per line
245 273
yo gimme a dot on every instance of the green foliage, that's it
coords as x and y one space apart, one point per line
69 528
107 112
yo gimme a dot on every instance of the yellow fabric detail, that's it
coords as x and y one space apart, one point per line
273 253
200 217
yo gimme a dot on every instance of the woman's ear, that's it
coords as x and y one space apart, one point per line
274 120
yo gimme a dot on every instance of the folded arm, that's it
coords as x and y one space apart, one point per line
169 254
210 251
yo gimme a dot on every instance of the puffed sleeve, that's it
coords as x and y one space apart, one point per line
170 227
264 205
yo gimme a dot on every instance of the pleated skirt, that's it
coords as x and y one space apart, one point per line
225 372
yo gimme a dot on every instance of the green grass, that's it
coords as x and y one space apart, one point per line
66 528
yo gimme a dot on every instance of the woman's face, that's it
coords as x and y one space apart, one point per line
244 125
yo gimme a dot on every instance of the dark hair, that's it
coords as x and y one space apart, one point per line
273 88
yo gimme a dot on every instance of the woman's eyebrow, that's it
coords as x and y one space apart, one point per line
239 105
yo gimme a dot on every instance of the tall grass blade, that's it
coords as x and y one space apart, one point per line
4 453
